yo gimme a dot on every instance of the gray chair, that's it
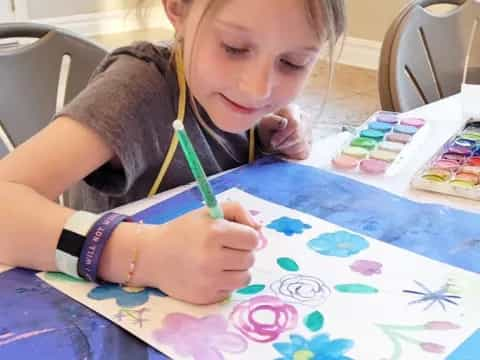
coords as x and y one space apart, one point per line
30 81
423 54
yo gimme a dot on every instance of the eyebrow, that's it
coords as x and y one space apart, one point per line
232 25
244 29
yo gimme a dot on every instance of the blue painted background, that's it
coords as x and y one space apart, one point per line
435 231
27 304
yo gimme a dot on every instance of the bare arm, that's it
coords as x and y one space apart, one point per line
215 255
31 178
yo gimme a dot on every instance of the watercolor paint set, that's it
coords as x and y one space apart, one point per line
455 168
381 145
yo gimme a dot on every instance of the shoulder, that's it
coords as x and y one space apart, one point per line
140 58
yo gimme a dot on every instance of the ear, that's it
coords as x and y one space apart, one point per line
176 11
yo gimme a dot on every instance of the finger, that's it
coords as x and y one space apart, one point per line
273 122
292 141
238 260
232 280
238 236
234 211
281 136
302 155
292 111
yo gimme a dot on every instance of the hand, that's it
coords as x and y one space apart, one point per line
284 132
202 260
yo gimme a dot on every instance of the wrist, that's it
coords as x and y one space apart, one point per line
144 265
131 255
115 260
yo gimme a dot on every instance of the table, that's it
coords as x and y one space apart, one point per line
40 322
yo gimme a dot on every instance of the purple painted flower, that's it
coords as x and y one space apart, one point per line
433 348
201 338
367 267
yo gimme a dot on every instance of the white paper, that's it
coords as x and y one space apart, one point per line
382 325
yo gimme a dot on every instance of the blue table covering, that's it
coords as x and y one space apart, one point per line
40 322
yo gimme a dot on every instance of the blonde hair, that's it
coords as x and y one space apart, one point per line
327 17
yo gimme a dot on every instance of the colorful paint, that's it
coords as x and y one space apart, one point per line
311 295
251 289
264 318
367 267
459 159
288 226
135 316
356 289
400 334
57 276
340 244
381 140
314 321
287 264
201 338
124 296
441 296
319 347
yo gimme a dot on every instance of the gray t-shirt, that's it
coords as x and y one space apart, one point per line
131 102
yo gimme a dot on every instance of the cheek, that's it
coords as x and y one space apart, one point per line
210 72
287 91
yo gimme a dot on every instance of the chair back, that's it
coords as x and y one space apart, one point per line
38 78
423 54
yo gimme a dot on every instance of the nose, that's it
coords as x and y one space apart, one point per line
256 81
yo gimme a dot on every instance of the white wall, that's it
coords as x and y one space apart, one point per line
6 13
39 9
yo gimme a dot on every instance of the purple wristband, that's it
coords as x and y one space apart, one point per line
95 242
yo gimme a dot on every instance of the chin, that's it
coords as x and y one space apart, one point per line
233 123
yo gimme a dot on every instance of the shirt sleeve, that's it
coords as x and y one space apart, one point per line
124 99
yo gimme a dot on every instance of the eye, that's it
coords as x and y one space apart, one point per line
292 66
234 50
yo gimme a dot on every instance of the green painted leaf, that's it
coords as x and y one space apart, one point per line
58 276
356 289
251 289
287 264
314 321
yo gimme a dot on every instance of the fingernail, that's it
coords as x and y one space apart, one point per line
255 222
282 123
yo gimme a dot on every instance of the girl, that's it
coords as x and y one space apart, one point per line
236 65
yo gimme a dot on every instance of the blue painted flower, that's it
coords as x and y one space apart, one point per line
288 226
320 347
125 296
340 244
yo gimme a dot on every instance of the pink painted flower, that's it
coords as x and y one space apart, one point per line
201 338
433 348
441 325
263 241
367 267
264 318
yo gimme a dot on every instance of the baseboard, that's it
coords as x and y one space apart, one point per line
356 52
109 22
361 53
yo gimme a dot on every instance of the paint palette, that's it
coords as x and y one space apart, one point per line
455 169
381 145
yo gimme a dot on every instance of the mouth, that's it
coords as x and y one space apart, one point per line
240 108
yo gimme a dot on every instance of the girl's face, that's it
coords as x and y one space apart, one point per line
248 58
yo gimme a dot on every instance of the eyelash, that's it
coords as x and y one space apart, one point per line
233 51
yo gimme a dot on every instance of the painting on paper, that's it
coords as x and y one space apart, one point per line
318 291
